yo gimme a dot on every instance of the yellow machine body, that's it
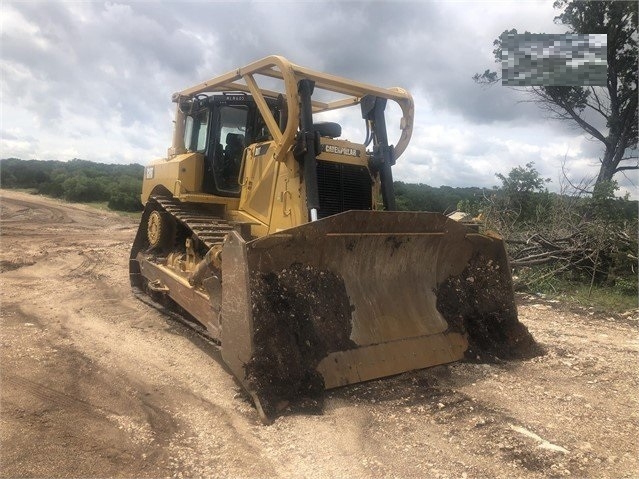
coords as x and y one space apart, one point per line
297 265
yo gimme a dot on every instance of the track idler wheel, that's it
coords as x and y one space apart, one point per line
160 229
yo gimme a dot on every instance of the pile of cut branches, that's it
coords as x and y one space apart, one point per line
596 250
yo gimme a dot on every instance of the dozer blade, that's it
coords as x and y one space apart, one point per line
362 295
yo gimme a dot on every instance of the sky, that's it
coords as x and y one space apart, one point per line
93 80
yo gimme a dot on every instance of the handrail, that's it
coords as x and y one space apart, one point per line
242 181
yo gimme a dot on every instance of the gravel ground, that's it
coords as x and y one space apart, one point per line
95 383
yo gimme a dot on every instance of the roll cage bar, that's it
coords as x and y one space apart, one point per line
349 93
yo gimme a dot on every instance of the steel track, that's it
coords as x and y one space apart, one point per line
206 227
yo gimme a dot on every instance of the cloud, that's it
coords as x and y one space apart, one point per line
94 79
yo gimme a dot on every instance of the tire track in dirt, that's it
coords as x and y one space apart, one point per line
51 396
19 211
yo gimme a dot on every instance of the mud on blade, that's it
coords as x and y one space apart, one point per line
362 295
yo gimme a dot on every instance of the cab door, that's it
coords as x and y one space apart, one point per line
228 138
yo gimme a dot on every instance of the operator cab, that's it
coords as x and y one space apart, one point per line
221 127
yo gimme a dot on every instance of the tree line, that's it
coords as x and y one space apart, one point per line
443 199
77 180
121 185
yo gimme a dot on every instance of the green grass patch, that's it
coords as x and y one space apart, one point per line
604 299
31 191
104 206
608 299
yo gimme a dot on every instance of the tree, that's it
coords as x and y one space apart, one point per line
523 180
616 103
523 193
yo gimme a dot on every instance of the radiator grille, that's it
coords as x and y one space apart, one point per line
343 187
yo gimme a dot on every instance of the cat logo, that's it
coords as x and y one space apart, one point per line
340 150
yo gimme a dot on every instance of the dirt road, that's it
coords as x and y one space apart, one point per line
96 383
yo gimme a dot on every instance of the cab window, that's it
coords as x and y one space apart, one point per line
195 131
230 147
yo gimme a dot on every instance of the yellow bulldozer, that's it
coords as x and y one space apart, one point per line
282 240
